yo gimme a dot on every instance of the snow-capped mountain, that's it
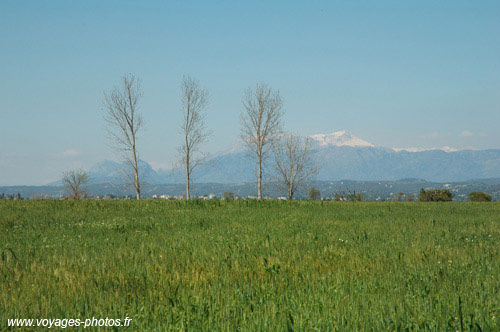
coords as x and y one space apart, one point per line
339 156
340 138
444 148
344 138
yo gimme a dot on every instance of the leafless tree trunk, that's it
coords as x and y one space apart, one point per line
294 164
73 182
194 104
125 122
261 122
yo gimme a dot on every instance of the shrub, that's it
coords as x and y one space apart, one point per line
355 197
435 195
411 198
479 196
314 194
228 195
400 196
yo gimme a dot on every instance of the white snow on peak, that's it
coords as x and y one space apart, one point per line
444 148
340 138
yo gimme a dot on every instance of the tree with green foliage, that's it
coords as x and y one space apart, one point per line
228 196
479 196
435 195
411 198
400 196
355 197
314 194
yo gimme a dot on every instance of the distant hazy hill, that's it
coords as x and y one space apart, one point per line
112 172
339 155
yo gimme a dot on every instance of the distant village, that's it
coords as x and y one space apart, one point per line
459 191
225 196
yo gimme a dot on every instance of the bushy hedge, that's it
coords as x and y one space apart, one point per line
435 195
479 196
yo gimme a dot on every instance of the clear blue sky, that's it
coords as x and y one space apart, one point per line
395 73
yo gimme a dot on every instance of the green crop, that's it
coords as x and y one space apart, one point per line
253 266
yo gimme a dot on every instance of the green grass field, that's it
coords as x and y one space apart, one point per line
253 266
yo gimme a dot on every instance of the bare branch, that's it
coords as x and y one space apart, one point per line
261 122
125 123
74 181
294 164
194 132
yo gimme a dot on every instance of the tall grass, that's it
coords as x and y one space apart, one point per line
253 266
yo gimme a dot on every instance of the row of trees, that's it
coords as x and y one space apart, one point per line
261 132
435 195
445 195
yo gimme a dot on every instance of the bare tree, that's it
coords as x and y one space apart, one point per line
74 181
125 122
294 164
261 122
194 104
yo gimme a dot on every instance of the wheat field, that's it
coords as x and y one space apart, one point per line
253 266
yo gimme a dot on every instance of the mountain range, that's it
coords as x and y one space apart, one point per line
339 155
